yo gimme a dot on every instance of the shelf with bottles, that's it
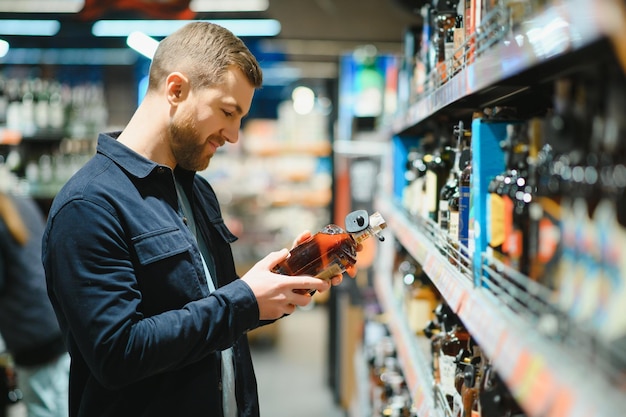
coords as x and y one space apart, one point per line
444 366
41 109
540 282
412 356
40 168
542 356
515 44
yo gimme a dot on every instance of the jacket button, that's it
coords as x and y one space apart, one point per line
160 170
219 386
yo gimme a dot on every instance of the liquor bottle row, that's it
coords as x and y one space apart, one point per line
388 394
463 375
553 208
40 107
42 172
453 33
465 381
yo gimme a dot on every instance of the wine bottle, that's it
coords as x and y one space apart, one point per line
452 183
465 204
333 250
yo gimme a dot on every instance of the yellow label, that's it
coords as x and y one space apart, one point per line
496 221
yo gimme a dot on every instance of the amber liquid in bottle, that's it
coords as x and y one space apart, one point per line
324 255
333 250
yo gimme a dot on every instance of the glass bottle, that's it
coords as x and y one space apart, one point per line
439 165
545 210
452 182
332 251
465 204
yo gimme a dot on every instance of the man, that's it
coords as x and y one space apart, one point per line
138 259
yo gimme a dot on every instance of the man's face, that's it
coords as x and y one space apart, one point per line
208 119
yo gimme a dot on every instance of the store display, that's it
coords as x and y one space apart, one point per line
540 199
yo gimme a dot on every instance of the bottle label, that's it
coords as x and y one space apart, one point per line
447 369
332 271
454 224
507 223
464 215
431 193
496 221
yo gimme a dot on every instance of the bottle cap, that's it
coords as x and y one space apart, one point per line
377 223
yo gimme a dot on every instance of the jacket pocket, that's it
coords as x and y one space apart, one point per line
160 244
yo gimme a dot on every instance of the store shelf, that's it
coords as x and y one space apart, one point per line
559 31
413 360
319 148
546 378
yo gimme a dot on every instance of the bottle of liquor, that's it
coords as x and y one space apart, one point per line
514 184
452 182
413 194
457 206
521 194
439 165
545 209
455 338
332 251
465 204
445 17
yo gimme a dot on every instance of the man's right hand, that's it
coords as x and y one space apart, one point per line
274 292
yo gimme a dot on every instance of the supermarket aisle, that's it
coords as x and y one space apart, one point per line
292 374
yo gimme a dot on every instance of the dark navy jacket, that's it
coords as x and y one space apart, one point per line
128 287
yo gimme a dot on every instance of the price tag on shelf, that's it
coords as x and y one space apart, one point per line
456 292
507 356
424 409
562 403
537 387
565 403
483 322
429 265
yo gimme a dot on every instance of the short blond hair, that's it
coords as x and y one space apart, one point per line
202 51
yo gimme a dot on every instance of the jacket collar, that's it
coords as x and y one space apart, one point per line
129 160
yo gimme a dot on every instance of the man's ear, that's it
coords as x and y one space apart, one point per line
177 86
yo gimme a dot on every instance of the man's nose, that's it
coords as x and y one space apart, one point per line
231 133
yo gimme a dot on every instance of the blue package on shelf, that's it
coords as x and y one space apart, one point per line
487 162
400 153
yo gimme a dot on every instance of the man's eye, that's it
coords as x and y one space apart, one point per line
227 113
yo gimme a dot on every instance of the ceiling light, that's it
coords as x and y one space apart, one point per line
229 5
70 56
29 27
142 43
41 6
159 28
4 47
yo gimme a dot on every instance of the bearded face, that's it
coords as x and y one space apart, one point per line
188 146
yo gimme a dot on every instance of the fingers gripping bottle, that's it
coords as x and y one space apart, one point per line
332 251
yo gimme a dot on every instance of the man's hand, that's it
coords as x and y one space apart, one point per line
305 235
274 292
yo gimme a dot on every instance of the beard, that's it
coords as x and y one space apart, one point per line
187 146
